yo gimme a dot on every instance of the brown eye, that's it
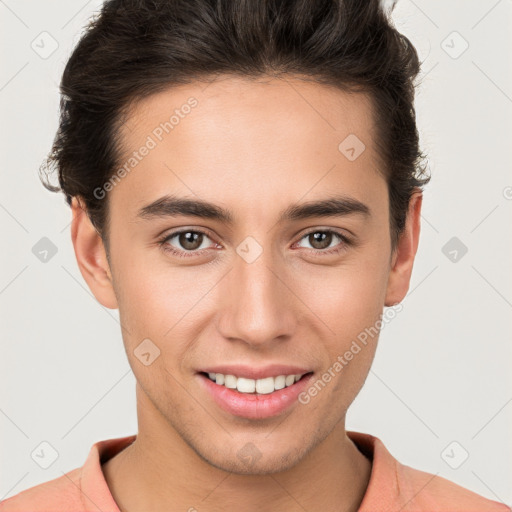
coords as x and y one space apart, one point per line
320 239
186 242
190 240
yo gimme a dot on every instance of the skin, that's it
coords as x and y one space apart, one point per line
253 147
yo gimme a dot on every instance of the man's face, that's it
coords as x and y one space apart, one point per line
259 290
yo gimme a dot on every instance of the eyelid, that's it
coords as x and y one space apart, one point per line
325 229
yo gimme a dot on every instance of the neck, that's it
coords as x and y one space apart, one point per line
159 471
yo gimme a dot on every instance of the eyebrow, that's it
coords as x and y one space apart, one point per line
172 206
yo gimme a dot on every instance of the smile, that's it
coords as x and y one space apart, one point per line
251 386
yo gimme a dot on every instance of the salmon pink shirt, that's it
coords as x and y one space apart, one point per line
393 486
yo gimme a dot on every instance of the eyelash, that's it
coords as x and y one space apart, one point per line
345 242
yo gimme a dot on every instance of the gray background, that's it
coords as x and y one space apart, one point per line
440 385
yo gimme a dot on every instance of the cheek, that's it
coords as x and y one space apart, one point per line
153 332
350 297
160 303
351 303
151 294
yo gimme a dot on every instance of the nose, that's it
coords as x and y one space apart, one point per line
257 302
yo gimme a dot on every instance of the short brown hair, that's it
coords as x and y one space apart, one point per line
134 48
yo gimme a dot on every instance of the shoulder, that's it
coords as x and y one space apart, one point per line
426 491
82 489
404 488
58 495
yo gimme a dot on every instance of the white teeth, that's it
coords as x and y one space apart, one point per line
290 379
265 386
245 385
280 382
260 386
229 381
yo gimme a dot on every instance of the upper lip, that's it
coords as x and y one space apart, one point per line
251 372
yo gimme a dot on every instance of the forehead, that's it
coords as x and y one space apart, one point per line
271 104
236 138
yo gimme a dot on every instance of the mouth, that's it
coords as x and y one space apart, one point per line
254 398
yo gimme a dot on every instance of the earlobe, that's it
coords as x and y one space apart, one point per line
91 256
405 252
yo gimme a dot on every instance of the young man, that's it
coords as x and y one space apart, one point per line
245 183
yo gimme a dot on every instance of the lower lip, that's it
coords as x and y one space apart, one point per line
254 406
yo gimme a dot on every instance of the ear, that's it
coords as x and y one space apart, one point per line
91 256
404 253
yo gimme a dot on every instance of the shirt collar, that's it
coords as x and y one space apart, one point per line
383 486
93 486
